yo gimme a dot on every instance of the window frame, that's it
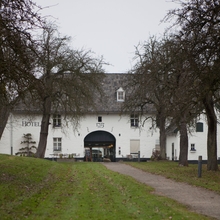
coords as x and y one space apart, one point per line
134 120
192 147
99 118
56 142
134 146
199 127
57 122
120 95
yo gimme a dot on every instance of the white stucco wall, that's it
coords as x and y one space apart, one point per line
73 140
197 138
119 127
16 127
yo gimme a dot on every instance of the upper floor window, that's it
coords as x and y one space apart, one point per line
134 120
56 120
199 127
99 118
120 95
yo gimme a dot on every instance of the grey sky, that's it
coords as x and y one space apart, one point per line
111 28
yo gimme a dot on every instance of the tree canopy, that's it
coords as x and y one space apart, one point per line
18 19
67 81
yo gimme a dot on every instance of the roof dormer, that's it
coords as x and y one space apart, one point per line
120 95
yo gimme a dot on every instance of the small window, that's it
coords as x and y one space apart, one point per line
56 120
193 147
99 118
57 144
120 95
199 127
134 120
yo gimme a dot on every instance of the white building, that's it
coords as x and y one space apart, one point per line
197 141
117 136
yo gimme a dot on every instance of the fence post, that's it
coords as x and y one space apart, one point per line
138 156
200 166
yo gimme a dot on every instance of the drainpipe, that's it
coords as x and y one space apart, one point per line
11 139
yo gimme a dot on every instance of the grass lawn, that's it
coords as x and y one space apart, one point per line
39 189
169 169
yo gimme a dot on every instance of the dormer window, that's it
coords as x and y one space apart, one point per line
120 95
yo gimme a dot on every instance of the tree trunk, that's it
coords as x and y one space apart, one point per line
184 145
162 121
4 114
212 163
44 128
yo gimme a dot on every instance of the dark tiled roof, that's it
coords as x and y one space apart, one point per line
111 83
107 103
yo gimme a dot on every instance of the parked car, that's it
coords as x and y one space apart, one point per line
96 155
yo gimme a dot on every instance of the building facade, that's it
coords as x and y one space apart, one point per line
197 142
116 136
111 133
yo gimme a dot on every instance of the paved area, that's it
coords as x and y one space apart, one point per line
197 199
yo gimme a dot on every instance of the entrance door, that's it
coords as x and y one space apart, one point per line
103 141
172 151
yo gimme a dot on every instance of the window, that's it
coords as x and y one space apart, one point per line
56 120
134 120
199 127
57 144
134 146
193 147
120 95
99 118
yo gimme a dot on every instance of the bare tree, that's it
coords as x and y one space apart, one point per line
163 79
17 20
149 86
67 81
199 22
182 106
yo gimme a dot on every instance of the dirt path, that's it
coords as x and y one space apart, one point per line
197 199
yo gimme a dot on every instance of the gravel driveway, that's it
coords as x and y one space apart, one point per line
197 199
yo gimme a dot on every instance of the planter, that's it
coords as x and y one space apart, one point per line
67 160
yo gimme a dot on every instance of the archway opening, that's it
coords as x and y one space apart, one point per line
99 146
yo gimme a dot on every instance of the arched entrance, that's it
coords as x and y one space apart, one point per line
99 145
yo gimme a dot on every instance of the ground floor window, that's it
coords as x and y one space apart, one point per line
193 147
57 144
134 147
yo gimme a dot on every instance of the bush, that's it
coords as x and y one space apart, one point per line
156 155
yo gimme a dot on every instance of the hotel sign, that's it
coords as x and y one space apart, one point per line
31 124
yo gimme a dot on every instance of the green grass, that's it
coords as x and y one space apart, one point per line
39 189
209 180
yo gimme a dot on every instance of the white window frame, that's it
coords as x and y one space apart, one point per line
120 95
192 147
57 144
134 120
56 121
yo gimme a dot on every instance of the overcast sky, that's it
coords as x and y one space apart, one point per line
110 28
